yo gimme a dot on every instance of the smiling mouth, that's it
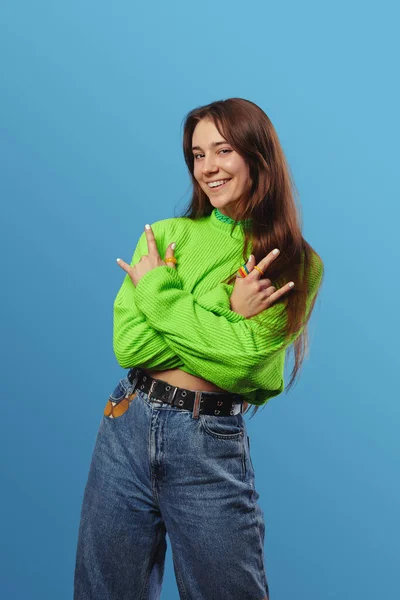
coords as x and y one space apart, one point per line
221 183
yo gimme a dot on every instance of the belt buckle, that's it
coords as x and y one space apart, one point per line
170 400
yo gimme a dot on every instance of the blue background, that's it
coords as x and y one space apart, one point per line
93 95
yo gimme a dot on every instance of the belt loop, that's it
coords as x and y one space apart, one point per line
153 383
133 373
173 396
196 404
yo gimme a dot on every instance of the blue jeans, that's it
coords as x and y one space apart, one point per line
155 470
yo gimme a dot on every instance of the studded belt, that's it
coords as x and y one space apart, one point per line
222 404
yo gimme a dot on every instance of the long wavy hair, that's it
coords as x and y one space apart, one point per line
269 203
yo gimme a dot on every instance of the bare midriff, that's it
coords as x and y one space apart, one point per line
180 378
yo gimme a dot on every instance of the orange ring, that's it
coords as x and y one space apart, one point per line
171 259
258 269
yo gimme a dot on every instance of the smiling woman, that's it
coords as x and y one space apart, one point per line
204 335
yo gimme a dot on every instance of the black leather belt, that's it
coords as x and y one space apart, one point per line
200 403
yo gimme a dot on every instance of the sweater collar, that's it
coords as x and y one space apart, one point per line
224 223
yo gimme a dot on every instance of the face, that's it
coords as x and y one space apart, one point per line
216 161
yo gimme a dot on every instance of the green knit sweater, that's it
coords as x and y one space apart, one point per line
181 318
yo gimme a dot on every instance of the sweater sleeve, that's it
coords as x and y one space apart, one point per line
135 342
240 355
213 342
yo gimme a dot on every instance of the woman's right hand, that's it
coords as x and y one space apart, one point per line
251 294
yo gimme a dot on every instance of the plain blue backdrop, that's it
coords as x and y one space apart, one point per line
93 95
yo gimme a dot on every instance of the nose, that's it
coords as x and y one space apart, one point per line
209 165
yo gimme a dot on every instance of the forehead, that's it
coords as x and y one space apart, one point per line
206 132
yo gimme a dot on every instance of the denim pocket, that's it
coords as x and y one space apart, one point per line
224 428
119 400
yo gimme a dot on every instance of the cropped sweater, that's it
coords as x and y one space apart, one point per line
181 318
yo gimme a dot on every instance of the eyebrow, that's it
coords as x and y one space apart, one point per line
213 144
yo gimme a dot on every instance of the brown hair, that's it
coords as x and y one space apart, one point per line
269 204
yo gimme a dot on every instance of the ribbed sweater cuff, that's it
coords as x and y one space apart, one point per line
152 283
157 276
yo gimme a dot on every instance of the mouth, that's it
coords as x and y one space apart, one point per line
218 185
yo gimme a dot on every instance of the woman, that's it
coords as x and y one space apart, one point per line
204 338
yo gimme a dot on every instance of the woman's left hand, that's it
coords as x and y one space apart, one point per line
148 261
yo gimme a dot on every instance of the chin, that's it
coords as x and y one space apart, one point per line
218 204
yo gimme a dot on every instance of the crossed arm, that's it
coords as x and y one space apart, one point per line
159 324
136 341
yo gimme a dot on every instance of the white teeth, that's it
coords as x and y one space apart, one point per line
217 183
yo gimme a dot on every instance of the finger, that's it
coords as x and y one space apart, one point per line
250 266
269 290
170 254
123 265
265 262
279 293
151 241
251 262
265 284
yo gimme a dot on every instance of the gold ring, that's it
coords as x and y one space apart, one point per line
258 269
171 259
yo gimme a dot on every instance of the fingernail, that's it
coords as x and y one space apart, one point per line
147 226
250 258
118 259
275 251
173 246
290 284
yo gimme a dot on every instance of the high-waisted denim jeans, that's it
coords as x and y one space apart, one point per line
155 470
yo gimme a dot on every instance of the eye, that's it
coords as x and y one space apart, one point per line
222 150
